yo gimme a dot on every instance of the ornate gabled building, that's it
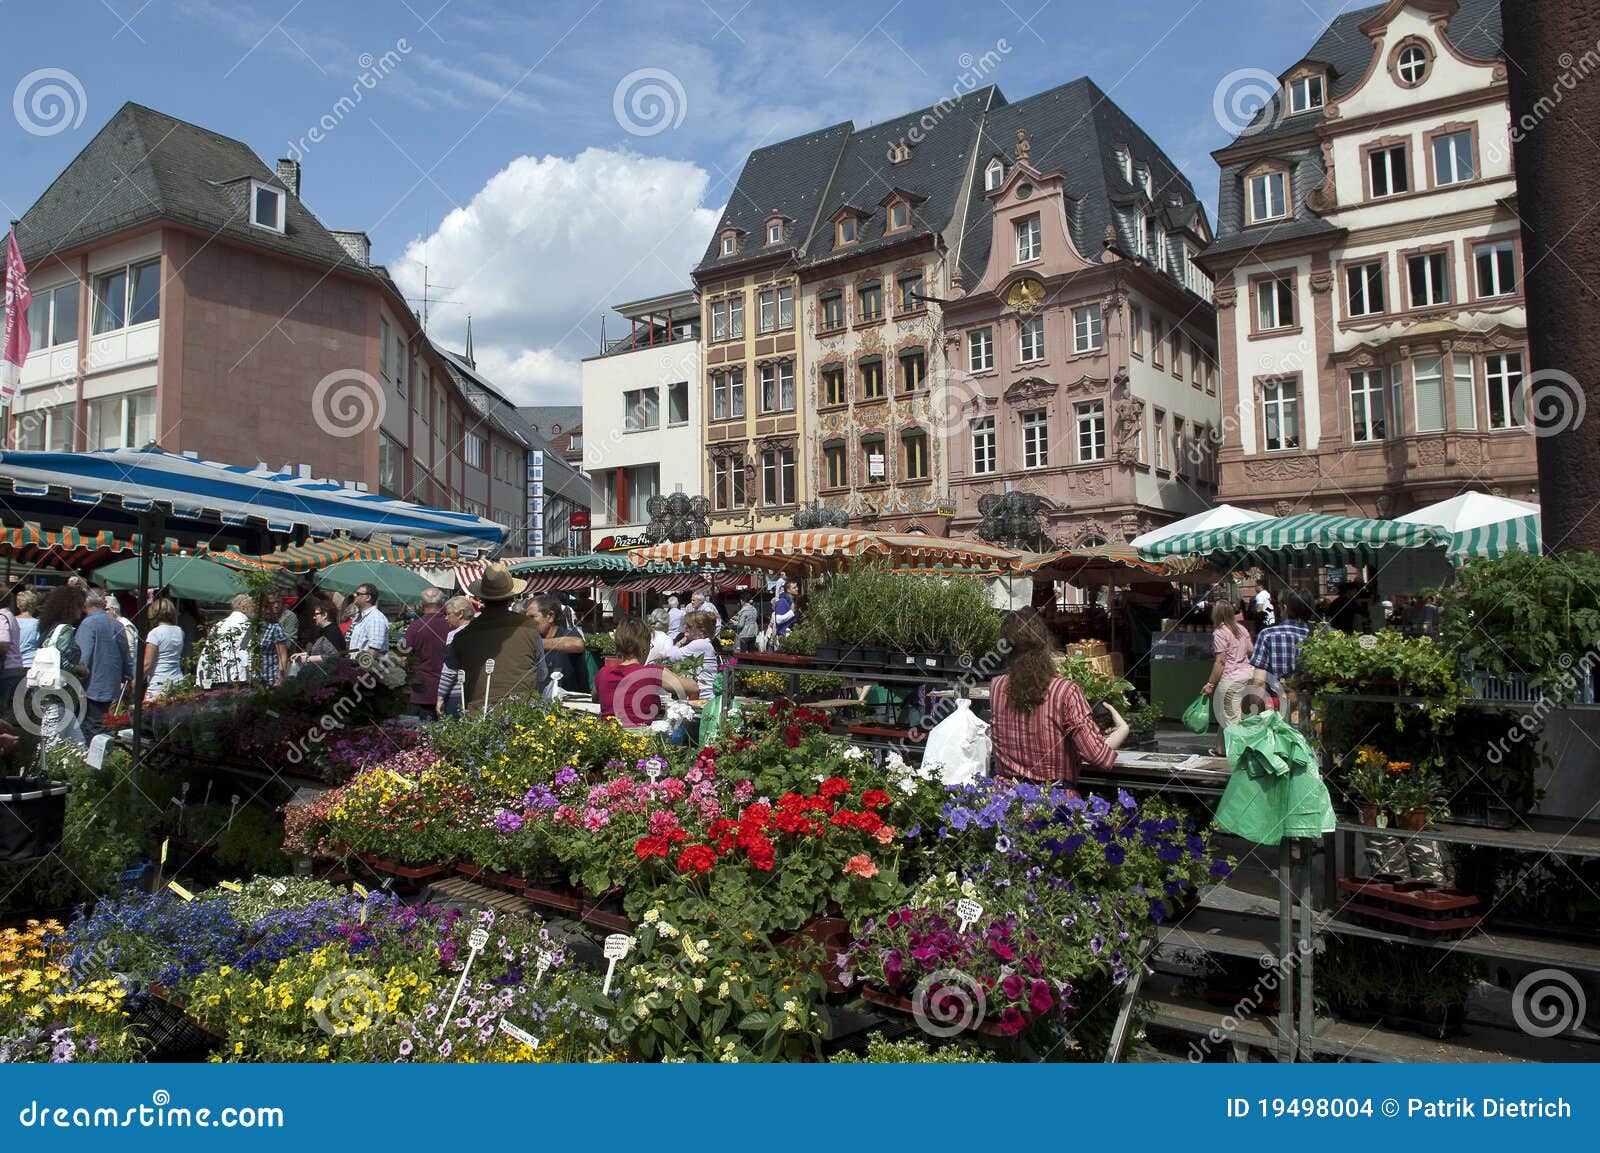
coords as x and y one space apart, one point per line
1369 273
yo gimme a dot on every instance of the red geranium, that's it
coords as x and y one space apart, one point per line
833 786
676 836
697 859
874 798
648 847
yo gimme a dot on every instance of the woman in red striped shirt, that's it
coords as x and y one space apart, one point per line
1040 722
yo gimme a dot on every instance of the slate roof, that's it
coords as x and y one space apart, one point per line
146 166
790 178
546 416
1076 128
1474 31
936 170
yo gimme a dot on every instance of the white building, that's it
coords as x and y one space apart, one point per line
641 414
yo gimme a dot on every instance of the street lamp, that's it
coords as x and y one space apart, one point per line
1014 520
819 517
677 517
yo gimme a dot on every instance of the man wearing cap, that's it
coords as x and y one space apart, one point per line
508 638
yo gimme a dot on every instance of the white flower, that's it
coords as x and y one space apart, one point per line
895 763
854 753
699 984
666 930
791 1006
950 877
790 1022
722 989
652 916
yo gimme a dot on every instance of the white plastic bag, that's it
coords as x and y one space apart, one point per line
958 747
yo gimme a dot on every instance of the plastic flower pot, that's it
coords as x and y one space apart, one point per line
1414 820
1371 814
33 811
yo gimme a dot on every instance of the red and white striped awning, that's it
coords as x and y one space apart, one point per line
824 549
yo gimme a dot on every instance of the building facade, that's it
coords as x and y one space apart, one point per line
642 399
201 306
1369 273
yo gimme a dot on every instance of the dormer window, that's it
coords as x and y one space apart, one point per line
1411 63
844 231
1125 162
1305 94
900 153
994 175
774 232
1267 196
1144 180
730 243
899 216
267 205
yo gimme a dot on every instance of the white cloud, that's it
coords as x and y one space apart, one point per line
548 246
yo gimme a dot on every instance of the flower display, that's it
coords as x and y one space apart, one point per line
46 1015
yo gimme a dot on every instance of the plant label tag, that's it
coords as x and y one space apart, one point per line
477 939
180 890
97 750
653 772
231 886
1383 820
969 911
617 946
1367 641
358 889
404 782
183 791
177 802
519 1033
164 850
279 889
544 966
362 919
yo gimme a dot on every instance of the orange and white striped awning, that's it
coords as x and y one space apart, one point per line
819 550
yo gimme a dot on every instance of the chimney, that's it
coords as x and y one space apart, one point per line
357 244
289 174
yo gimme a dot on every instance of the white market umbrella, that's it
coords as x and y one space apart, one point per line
1471 510
1220 516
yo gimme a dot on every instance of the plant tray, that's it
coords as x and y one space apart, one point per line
901 1004
563 900
506 881
785 659
172 1034
405 872
1409 897
887 733
833 935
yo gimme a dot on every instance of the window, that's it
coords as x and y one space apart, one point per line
1305 94
994 175
869 301
899 216
125 421
391 458
1035 440
767 310
1275 303
835 464
1177 354
1195 368
777 387
1452 158
910 291
914 454
1411 66
1466 392
786 306
1364 287
913 370
1030 339
1136 330
1028 241
727 482
678 402
1428 274
1388 173
267 206
875 458
472 448
1161 439
1180 456
1125 162
1091 431
980 350
833 310
1497 268
719 320
1086 328
1367 406
628 492
1503 377
730 244
736 317
871 379
1157 340
1139 245
124 297
983 446
1280 411
1427 388
833 385
727 394
53 316
775 232
401 361
641 409
1269 196
845 231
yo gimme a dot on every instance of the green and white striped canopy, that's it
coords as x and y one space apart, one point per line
1520 534
1309 538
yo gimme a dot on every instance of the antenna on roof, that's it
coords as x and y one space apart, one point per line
427 292
602 332
467 355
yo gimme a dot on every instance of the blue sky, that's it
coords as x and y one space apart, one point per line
497 141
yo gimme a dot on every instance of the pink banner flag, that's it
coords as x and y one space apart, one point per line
18 339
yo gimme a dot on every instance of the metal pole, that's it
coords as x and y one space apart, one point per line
152 525
1306 952
1286 1043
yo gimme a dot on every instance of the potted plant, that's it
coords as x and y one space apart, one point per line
1368 784
1415 795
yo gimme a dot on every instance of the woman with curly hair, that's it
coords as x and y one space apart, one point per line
1041 724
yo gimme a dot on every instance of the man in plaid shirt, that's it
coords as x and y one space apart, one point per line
1277 651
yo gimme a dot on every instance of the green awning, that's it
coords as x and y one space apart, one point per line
181 576
1520 534
1308 538
392 582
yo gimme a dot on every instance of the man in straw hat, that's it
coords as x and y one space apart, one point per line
499 634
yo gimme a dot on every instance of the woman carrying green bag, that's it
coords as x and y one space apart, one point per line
1231 672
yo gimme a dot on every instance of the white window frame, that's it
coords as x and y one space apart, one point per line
1495 249
282 199
994 175
1432 381
1030 340
719 320
777 386
767 310
1459 151
1030 239
736 317
1275 291
1414 58
632 420
472 450
129 273
774 232
1368 389
980 350
1500 378
985 456
1394 162
1091 423
1301 94
785 306
730 244
44 299
1280 398
672 388
1159 430
1465 385
1088 329
1275 208
1036 439
1432 284
1356 277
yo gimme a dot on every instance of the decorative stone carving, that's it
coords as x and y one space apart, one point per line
1087 384
1032 388
1288 468
1022 146
1469 452
1224 296
1130 419
1026 295
1281 508
1321 279
1431 452
1385 505
1128 524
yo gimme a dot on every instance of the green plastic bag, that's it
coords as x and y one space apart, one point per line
1197 717
711 713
